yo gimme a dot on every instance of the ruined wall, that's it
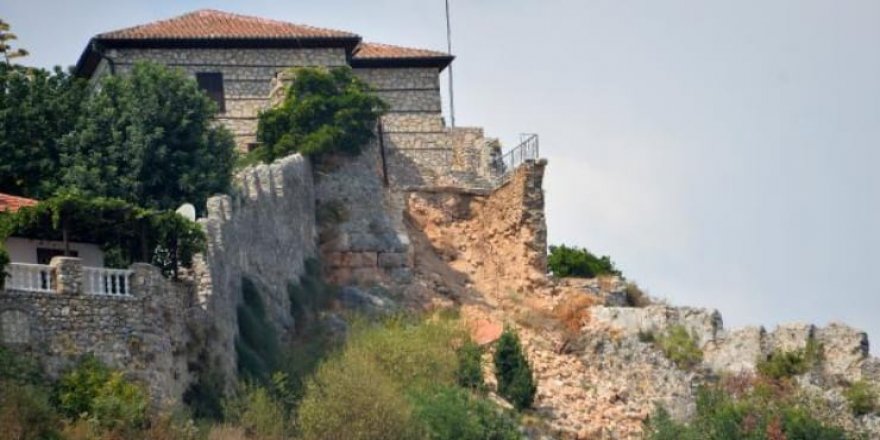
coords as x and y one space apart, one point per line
362 237
497 238
264 231
845 350
145 335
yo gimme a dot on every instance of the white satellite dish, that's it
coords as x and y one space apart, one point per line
188 211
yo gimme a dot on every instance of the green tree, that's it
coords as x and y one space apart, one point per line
513 372
37 108
148 137
566 261
323 111
6 36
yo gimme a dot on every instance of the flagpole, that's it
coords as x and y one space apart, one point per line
449 51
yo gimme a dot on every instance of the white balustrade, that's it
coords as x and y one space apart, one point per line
111 282
30 277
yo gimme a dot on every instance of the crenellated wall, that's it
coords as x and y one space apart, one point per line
264 231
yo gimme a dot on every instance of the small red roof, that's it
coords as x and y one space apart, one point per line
387 51
14 203
213 24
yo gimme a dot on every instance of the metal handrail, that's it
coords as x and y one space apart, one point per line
528 149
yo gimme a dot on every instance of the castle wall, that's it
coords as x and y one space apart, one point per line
145 335
264 231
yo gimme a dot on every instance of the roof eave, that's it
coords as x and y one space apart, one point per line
90 57
439 62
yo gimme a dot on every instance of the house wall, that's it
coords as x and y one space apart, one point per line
23 250
247 75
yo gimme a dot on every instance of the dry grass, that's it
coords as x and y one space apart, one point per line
227 432
574 311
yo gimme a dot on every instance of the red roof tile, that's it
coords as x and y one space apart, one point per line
387 51
212 24
14 203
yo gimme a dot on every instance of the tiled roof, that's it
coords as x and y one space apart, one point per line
387 51
14 203
213 24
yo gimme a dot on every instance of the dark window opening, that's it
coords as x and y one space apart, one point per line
212 84
44 255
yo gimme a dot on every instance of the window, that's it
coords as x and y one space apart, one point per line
44 255
212 84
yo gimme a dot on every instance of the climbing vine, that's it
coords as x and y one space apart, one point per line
125 232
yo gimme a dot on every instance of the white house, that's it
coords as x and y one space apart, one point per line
30 251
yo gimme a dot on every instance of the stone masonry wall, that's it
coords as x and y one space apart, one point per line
499 238
145 334
247 75
264 231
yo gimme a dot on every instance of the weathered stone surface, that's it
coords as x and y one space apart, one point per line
845 350
791 337
704 324
143 334
737 351
264 231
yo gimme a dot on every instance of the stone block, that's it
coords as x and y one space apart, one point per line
394 259
68 275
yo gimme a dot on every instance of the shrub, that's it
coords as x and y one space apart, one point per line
255 410
324 111
19 368
862 398
751 415
26 413
565 261
680 346
453 413
94 390
635 297
781 365
513 372
351 397
257 342
470 366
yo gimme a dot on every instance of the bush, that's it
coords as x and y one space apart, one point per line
19 368
255 410
324 111
351 397
781 365
453 413
565 261
751 415
470 366
680 347
513 372
257 342
635 296
91 389
862 398
26 413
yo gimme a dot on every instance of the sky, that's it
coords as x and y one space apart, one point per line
724 154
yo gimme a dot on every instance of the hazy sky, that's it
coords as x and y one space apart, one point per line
724 153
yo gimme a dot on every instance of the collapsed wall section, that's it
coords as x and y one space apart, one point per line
498 238
264 231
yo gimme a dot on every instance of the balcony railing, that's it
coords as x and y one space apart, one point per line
30 277
528 149
102 281
43 279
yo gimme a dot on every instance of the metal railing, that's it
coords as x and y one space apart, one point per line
111 282
30 277
528 149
